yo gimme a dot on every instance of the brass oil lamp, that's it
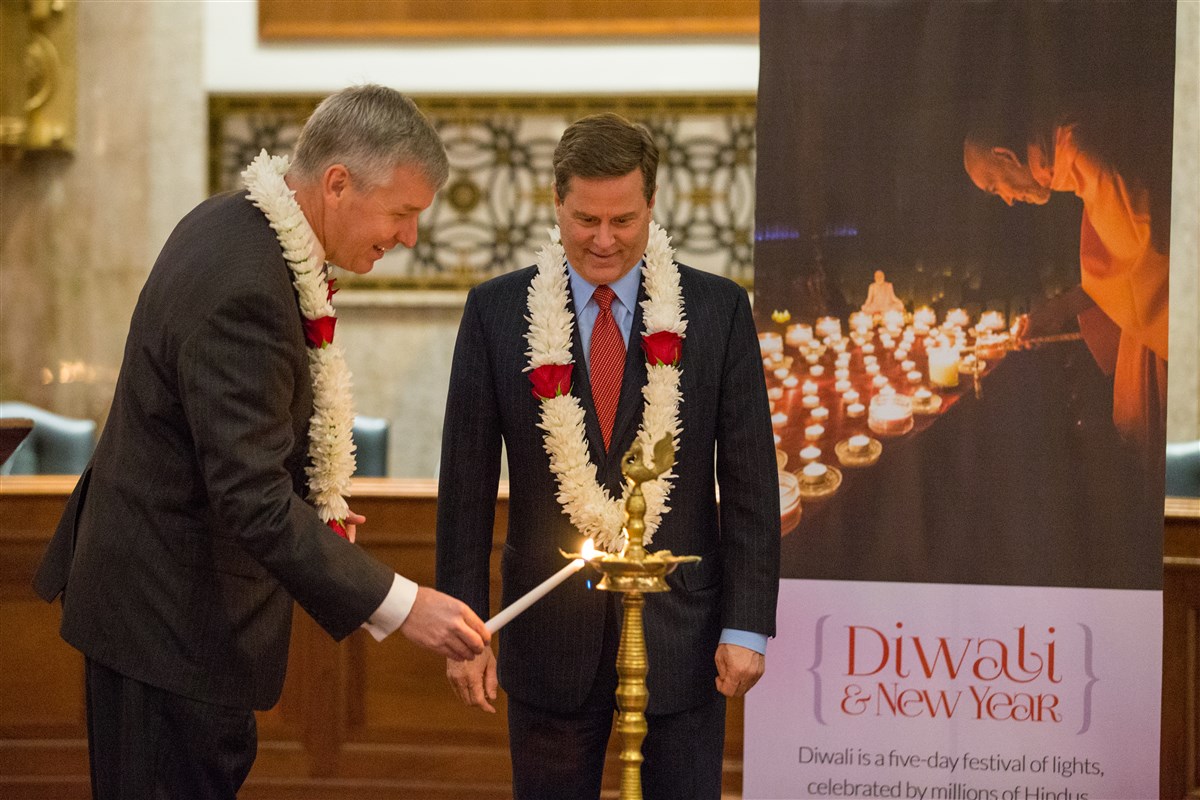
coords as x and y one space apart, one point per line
634 572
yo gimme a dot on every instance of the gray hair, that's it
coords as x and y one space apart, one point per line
371 130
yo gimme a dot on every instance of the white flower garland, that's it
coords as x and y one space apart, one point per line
588 504
330 446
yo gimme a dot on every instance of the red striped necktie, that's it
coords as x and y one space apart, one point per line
606 360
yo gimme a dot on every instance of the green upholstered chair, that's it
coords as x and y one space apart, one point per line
1183 469
371 446
57 445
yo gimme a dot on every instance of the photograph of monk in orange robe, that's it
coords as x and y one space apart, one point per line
1121 302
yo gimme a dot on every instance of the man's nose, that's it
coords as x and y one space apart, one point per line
604 235
406 234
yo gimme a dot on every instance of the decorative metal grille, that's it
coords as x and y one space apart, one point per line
495 210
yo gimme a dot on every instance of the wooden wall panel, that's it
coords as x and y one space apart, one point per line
368 719
1181 666
342 20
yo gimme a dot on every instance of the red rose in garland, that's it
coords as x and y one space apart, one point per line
319 332
663 347
551 380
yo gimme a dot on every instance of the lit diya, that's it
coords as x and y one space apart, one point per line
859 450
818 481
925 401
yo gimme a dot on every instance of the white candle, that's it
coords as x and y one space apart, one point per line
814 432
820 414
816 370
850 396
923 395
914 376
842 361
810 401
775 393
842 385
814 472
925 316
799 334
841 374
812 358
872 369
991 321
829 326
859 443
957 318
791 382
860 321
779 420
810 454
943 366
770 342
868 348
782 372
879 381
870 359
541 590
810 387
891 415
908 365
855 410
893 319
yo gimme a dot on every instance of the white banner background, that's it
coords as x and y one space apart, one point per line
942 697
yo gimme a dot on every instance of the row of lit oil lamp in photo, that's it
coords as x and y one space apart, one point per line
943 348
890 413
893 324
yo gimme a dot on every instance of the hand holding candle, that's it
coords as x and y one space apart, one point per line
542 589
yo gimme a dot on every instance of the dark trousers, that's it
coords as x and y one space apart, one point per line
146 743
561 756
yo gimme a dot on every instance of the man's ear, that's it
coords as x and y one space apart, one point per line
1004 154
335 182
653 197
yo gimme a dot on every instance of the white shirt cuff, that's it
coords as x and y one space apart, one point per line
393 610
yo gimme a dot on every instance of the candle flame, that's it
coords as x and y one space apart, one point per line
588 551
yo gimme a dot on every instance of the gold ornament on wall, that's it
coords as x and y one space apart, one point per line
37 94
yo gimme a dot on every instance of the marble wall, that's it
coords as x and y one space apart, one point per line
1183 383
79 232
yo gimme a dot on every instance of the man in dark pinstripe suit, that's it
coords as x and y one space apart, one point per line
188 539
706 638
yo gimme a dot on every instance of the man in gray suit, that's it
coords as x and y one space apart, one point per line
192 531
613 275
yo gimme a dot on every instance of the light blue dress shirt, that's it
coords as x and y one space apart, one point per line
586 310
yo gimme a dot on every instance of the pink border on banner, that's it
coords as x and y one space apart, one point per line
957 692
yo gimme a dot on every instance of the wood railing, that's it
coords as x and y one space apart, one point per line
367 719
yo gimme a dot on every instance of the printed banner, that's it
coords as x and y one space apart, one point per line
950 692
961 260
